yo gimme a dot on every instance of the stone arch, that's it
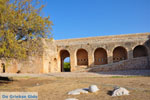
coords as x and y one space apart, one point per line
64 54
119 53
140 51
100 56
82 57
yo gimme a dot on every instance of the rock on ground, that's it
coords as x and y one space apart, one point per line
78 91
93 88
120 91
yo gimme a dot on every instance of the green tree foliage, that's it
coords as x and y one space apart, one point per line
66 65
20 23
1 4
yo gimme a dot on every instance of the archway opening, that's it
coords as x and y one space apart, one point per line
100 56
65 61
140 51
82 57
67 64
119 54
3 68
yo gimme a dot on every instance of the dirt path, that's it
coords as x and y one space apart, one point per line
55 86
84 74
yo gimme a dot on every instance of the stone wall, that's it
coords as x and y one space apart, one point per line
32 64
49 57
135 63
108 43
8 66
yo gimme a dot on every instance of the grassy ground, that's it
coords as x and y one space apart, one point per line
56 88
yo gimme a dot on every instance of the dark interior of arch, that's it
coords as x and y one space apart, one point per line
139 51
3 67
64 54
100 56
119 54
82 57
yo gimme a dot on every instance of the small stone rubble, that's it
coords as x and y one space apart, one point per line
92 88
78 91
119 91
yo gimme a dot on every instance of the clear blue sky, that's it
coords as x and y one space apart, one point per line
89 18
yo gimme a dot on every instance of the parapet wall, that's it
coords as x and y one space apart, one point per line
104 39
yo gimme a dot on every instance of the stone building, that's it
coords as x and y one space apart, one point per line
104 53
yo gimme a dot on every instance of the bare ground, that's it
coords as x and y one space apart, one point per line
55 86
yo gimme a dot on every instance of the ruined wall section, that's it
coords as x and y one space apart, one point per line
47 59
50 56
9 67
32 64
109 43
42 60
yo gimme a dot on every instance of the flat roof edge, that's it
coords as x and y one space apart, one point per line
109 36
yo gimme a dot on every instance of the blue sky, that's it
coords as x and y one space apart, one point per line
89 18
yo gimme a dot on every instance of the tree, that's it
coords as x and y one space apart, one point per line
20 23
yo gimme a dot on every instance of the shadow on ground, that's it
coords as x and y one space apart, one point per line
127 72
5 80
110 92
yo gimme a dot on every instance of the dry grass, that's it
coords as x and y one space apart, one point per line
56 88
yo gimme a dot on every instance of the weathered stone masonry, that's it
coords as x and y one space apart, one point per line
106 53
